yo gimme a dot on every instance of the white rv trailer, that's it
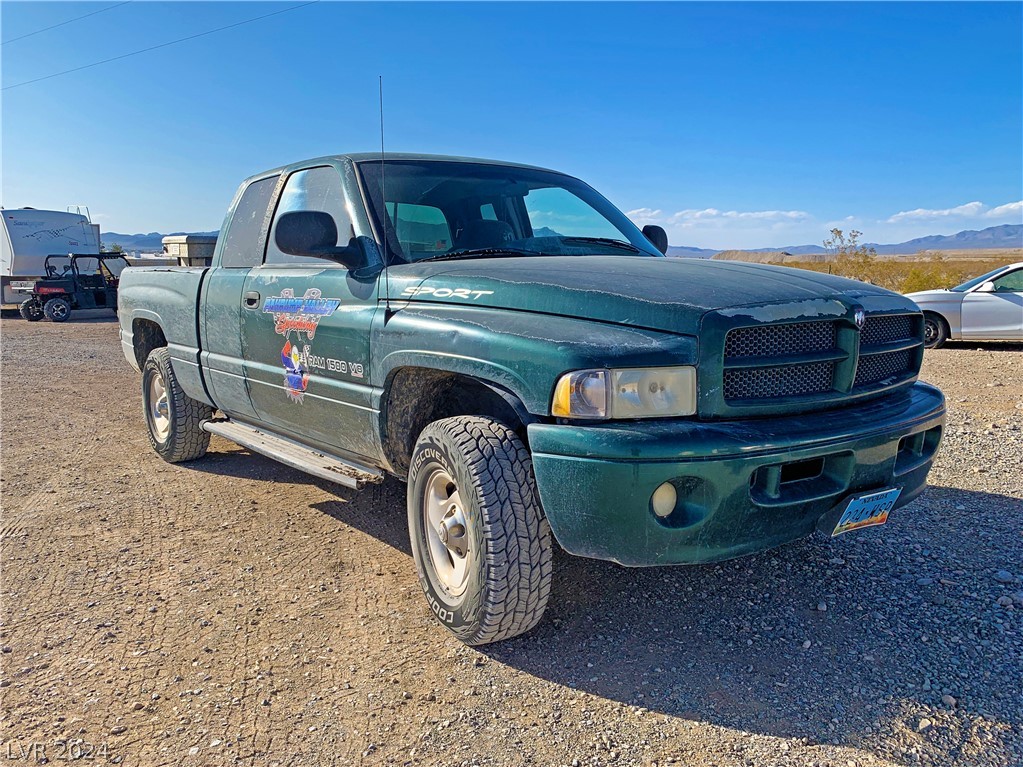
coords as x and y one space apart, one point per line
29 236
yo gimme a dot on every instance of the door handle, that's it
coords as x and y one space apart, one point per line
251 299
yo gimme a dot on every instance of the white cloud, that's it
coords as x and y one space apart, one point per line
717 228
707 215
1009 210
644 216
969 210
711 217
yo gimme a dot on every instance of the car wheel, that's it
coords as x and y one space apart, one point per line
31 310
57 309
935 331
174 419
481 543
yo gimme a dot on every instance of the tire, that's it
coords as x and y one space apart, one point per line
173 419
492 578
57 309
31 310
935 331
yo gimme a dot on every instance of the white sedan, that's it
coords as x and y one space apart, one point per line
986 308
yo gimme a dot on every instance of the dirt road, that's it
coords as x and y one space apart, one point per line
234 611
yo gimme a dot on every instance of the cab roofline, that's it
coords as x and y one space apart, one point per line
365 157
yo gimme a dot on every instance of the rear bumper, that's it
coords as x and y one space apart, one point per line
743 486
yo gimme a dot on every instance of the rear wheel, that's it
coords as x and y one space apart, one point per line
174 419
935 331
31 310
480 541
57 309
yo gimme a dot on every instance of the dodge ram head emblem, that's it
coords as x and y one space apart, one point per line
859 317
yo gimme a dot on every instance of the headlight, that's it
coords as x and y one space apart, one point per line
626 393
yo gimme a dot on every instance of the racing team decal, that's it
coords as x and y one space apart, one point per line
298 316
296 378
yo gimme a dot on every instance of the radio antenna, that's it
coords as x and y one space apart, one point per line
383 208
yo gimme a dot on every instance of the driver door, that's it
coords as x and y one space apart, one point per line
305 331
996 314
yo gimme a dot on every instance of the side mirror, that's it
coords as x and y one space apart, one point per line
657 236
313 233
986 287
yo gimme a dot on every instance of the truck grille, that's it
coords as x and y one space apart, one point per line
879 367
821 359
787 378
790 381
886 329
780 340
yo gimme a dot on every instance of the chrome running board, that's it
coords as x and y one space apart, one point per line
296 455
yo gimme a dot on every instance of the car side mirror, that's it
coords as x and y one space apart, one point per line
313 233
657 236
986 287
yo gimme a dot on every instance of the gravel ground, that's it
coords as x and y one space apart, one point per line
233 611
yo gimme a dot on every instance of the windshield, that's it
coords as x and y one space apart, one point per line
58 266
977 280
115 266
438 209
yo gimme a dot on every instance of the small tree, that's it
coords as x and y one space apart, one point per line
115 248
853 258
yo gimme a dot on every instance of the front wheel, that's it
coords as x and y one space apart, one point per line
57 309
31 310
935 331
174 419
481 543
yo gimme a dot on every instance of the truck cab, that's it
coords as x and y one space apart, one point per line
504 340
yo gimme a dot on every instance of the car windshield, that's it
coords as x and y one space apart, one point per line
438 209
977 280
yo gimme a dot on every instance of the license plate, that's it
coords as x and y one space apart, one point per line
867 510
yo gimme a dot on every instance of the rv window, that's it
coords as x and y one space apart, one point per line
241 244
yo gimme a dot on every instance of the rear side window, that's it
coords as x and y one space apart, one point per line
312 189
241 245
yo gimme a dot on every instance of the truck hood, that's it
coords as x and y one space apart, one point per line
657 293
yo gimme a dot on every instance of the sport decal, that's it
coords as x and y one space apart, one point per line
299 316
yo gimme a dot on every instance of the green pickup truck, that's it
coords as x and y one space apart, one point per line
507 342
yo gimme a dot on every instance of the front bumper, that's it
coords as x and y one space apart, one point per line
743 486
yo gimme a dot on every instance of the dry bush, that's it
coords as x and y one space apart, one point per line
904 276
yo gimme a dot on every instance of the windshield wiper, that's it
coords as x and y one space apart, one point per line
480 252
612 243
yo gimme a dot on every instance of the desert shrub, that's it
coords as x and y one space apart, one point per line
905 276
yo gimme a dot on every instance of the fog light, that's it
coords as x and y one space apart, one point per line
664 499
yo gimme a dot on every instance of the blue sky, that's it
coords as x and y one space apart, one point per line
733 125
